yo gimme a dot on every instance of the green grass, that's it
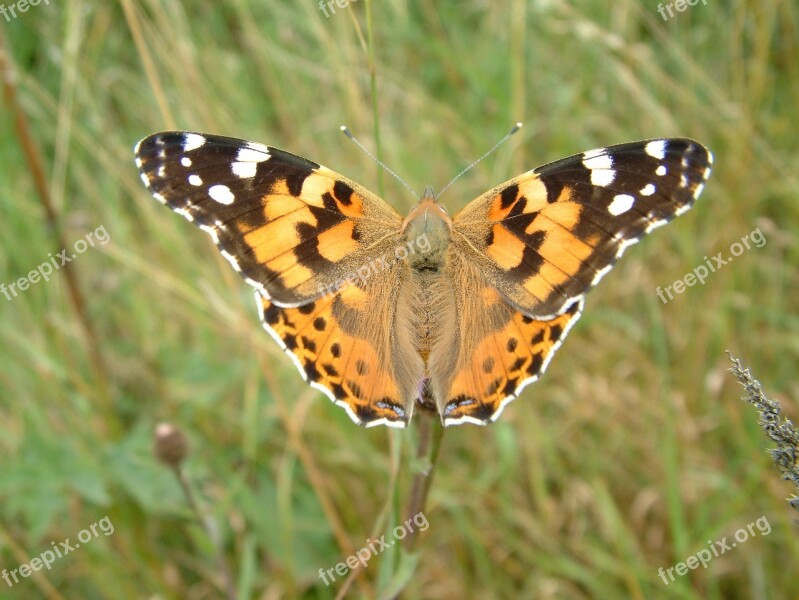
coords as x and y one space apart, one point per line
630 454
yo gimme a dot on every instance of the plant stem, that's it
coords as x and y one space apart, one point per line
431 434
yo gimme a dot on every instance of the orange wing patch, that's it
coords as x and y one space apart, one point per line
506 197
503 364
533 241
304 237
346 368
561 254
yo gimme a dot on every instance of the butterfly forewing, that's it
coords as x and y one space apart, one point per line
293 228
546 237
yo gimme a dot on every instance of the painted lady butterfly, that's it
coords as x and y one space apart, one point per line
455 314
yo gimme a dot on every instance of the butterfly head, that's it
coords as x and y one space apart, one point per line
428 225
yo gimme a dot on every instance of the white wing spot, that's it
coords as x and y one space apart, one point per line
595 153
600 274
231 259
602 177
145 179
598 161
252 154
656 149
221 193
661 170
648 190
260 148
654 222
256 284
184 213
601 167
192 141
621 204
698 190
161 171
210 231
244 170
185 161
683 181
195 180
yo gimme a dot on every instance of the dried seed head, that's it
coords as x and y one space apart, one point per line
170 445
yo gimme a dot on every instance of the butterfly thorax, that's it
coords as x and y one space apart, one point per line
428 229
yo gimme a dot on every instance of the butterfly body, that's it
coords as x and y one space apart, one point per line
429 221
385 314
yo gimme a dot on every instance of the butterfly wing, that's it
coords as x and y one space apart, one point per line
537 244
343 344
315 245
498 351
293 229
543 239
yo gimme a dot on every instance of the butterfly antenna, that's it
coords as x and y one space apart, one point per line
346 132
515 128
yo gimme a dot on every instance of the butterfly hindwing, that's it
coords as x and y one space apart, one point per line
498 351
291 227
546 237
505 362
345 344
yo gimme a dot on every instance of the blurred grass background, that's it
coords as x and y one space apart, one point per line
631 453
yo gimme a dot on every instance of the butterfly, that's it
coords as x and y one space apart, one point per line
386 314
